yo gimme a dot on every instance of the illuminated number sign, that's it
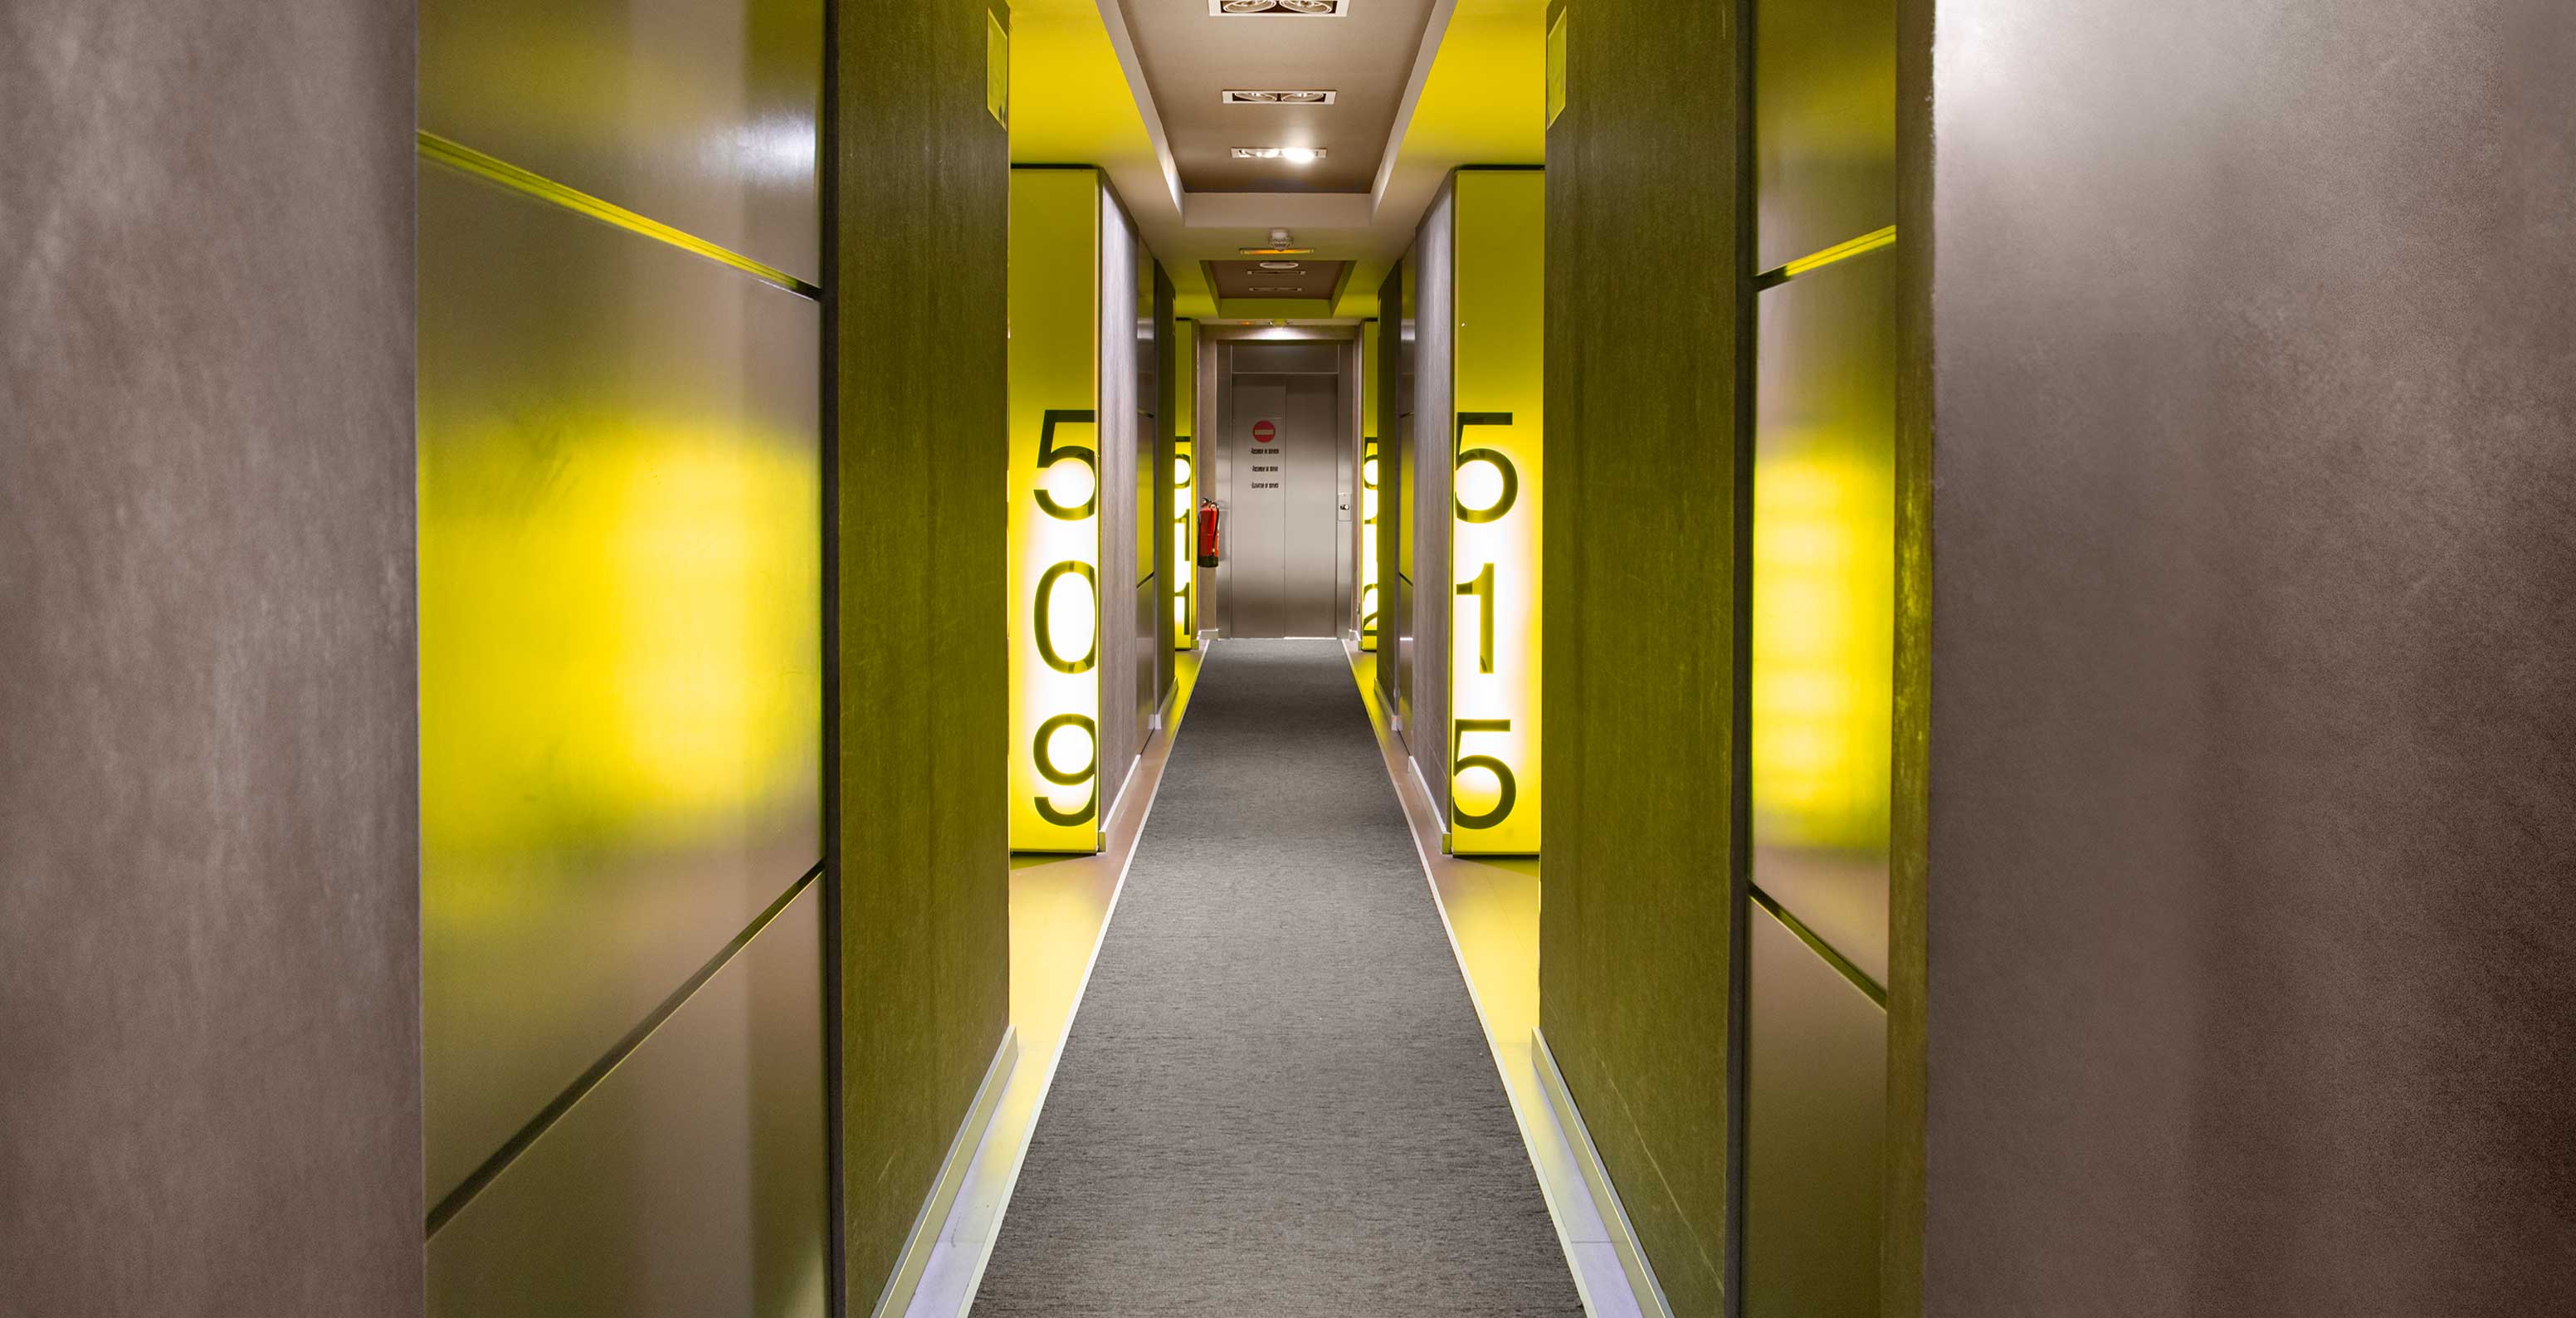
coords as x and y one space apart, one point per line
1064 621
1495 441
1184 554
1368 544
1054 513
1484 792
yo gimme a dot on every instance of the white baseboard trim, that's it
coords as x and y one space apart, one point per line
1605 1196
926 1224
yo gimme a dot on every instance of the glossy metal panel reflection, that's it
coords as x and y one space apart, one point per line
1256 511
1815 1125
1435 443
1824 125
1287 358
1149 657
1122 519
1824 602
619 630
1312 439
691 1182
701 116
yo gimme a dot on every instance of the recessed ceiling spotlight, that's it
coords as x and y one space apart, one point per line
1295 155
1279 8
1240 96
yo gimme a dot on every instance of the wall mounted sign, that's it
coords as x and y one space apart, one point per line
1368 543
1054 512
1185 503
1498 363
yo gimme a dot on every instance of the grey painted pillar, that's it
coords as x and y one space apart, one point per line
209 900
2252 389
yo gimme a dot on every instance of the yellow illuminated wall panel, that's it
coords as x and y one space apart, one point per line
1494 439
1054 511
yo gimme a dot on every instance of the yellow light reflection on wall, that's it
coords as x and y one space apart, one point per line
1495 442
1054 514
620 644
1824 601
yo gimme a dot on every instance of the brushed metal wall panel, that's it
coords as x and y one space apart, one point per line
1287 358
1824 125
2253 522
1256 507
1394 404
692 1181
620 654
1815 1112
1286 500
1314 438
701 116
1121 720
1824 600
1146 509
209 793
1435 445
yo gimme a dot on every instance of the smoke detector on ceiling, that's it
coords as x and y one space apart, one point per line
1279 241
1243 96
1279 8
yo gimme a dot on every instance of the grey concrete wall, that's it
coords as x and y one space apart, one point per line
2253 657
209 901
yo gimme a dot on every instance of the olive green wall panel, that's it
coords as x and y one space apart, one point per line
1647 421
920 195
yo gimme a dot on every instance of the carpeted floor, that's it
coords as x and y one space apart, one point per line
1276 1099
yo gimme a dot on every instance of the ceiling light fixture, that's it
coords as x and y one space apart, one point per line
1241 96
1295 155
1281 265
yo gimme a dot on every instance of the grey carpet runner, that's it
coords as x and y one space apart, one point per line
1276 1099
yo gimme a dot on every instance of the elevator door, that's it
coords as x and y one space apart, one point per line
1285 433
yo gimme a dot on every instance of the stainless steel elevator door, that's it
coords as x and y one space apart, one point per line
1286 433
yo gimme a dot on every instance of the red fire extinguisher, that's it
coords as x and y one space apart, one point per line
1208 513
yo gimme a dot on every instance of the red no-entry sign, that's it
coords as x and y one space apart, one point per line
1263 432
